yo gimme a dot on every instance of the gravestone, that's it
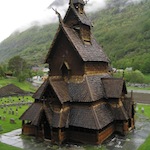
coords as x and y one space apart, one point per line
4 118
9 112
4 112
142 109
12 121
16 113
13 112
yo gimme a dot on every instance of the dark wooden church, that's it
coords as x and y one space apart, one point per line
80 101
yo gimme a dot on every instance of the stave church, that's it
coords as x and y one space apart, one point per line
80 101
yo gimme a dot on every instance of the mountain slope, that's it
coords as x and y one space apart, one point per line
31 44
123 32
126 35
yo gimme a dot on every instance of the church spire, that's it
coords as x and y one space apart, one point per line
77 2
78 5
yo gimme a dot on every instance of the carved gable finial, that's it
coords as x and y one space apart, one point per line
59 16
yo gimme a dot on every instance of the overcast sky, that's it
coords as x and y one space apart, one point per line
20 14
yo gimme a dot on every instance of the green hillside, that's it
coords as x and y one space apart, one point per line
31 44
124 33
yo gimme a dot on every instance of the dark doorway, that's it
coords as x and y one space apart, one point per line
46 127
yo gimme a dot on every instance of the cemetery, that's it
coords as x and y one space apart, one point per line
10 109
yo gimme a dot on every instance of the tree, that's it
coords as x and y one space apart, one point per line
19 68
2 73
17 65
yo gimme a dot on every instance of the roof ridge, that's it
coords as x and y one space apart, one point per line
91 94
96 118
60 117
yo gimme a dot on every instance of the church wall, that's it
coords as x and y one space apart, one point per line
29 130
59 135
104 134
95 67
64 52
122 127
82 137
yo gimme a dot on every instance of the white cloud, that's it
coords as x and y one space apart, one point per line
94 5
20 14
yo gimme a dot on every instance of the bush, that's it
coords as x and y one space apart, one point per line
131 76
134 76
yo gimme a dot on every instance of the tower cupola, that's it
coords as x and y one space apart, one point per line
78 4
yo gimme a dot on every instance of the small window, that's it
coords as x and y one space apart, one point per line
65 69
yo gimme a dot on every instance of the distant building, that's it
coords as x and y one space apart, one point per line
80 101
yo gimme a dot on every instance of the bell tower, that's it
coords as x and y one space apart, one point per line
82 25
79 5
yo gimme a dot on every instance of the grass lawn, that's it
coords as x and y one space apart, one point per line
146 109
137 88
7 147
26 86
9 112
146 144
147 78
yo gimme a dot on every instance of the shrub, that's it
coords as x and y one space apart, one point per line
132 76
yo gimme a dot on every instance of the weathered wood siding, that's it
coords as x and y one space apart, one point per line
29 130
95 67
119 127
64 52
59 136
71 19
103 135
85 33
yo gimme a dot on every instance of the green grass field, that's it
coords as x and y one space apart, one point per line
147 78
5 125
12 112
146 144
8 147
26 86
146 109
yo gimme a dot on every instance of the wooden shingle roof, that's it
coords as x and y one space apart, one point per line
119 113
127 103
10 90
91 52
98 116
61 118
60 88
40 92
91 89
79 17
88 52
113 87
33 113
